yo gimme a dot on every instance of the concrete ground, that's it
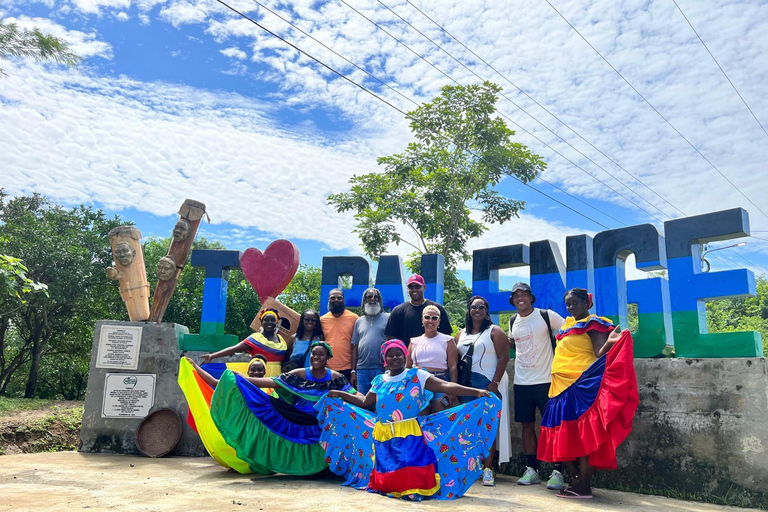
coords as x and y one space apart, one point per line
69 481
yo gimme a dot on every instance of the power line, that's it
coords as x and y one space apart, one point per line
540 105
531 116
720 67
656 110
341 75
505 116
617 164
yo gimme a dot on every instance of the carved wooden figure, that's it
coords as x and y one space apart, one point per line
130 271
169 267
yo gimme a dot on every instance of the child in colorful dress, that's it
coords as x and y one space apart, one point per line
398 453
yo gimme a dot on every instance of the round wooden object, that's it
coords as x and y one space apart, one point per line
158 433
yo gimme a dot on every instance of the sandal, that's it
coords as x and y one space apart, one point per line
569 493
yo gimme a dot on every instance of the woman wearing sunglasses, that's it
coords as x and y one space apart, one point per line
490 355
436 353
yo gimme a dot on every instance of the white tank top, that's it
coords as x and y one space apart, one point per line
484 358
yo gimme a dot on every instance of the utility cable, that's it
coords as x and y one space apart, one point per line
720 67
657 111
505 78
504 115
359 86
437 45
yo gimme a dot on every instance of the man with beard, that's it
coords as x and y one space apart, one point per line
405 320
338 324
367 338
532 334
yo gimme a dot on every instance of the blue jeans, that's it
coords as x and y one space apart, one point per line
365 377
477 381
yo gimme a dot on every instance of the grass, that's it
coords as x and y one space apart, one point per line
8 405
732 497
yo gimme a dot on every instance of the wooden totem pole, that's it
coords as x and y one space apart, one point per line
130 271
169 267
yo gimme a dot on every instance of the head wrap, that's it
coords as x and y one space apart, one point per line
390 344
260 358
270 311
325 345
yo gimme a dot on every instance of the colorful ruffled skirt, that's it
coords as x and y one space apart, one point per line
438 456
593 416
198 394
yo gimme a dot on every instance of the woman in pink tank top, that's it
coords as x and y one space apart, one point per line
436 353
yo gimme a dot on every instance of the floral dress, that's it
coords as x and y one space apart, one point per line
401 454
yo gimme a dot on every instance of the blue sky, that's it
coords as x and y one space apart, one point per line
180 98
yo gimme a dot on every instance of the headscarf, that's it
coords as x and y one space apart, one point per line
390 344
320 343
260 358
269 311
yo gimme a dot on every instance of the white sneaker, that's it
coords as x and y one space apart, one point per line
489 480
530 477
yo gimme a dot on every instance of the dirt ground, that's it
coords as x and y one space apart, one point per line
69 481
53 427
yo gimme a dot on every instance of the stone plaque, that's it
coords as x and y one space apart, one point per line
119 347
128 395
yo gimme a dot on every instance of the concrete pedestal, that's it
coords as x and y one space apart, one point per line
159 355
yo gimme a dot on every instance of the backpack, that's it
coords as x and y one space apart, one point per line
545 316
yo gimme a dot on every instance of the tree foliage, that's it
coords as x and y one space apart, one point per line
303 292
33 44
461 152
67 249
741 314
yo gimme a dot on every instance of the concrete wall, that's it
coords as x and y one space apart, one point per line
701 428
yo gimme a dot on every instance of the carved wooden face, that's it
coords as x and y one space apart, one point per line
124 253
166 268
181 230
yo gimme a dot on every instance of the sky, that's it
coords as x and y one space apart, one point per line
181 99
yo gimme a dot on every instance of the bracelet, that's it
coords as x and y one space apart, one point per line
497 383
353 371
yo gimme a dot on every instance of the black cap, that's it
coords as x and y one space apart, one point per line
521 287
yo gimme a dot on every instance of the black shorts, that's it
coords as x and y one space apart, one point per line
528 399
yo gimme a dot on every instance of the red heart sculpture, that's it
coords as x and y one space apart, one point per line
271 271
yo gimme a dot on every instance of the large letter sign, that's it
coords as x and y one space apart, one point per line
671 309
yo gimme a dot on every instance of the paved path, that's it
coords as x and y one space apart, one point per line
71 481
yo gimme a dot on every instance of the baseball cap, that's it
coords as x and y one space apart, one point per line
416 278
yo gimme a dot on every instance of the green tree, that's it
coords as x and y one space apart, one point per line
461 152
67 249
22 42
741 314
303 292
15 286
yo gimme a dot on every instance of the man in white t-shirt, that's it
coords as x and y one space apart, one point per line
531 333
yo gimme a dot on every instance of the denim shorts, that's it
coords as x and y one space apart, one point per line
477 381
442 376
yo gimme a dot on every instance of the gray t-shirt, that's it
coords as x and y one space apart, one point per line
369 335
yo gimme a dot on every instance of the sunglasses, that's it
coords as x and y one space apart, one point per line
430 317
475 307
414 286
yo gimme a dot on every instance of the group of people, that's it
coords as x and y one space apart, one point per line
396 404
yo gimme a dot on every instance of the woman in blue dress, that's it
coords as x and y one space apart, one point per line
395 451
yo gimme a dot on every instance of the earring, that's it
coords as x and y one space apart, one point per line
487 317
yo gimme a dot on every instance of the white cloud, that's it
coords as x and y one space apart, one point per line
527 42
235 53
83 44
122 16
